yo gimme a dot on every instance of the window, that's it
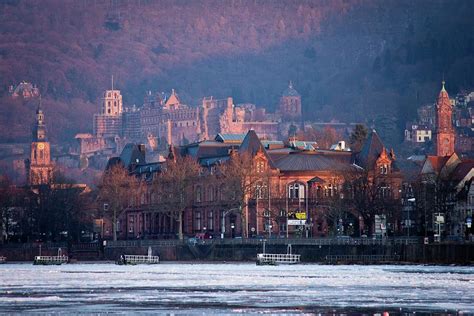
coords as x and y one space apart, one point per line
296 191
131 224
260 190
210 220
266 213
197 222
198 194
385 190
282 227
282 213
260 166
330 190
384 169
210 194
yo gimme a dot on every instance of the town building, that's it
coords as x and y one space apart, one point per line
24 89
295 190
441 191
170 121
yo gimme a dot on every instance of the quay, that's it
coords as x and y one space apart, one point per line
366 259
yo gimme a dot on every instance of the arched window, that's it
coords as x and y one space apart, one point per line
198 194
210 220
260 190
296 191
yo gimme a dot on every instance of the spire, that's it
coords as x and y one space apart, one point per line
112 82
38 110
443 83
290 85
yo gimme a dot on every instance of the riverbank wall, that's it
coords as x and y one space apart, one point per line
349 252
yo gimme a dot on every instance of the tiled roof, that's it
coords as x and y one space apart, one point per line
310 162
371 150
438 162
229 138
462 170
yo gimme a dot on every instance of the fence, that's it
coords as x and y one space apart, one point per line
360 258
271 241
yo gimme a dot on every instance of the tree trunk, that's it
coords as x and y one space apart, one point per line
180 225
114 225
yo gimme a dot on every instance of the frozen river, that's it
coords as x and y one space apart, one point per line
198 289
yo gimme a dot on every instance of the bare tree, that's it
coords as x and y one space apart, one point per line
117 191
175 185
371 195
245 178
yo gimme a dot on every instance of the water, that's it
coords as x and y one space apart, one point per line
198 289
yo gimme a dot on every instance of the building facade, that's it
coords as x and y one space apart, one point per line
292 192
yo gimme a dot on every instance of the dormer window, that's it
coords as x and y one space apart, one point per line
384 169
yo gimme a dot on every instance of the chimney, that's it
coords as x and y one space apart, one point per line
342 145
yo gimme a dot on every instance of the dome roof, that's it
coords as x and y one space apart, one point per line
290 91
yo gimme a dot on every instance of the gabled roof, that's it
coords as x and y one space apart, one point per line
251 145
436 163
131 156
371 150
462 170
173 99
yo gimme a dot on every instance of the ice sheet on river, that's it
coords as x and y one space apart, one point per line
234 288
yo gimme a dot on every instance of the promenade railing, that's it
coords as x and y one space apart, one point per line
270 241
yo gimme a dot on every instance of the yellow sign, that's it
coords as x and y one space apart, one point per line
300 215
40 146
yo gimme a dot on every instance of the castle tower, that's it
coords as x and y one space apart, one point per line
445 135
108 123
112 102
290 103
39 166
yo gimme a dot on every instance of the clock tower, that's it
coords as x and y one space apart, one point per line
444 126
39 167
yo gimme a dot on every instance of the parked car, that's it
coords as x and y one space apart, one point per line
201 236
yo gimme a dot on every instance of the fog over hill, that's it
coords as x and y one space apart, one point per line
368 61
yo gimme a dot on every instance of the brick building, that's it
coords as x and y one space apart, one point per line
292 197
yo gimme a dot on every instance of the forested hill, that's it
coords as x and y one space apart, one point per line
350 60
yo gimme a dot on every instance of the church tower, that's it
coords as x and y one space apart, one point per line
444 127
290 103
39 167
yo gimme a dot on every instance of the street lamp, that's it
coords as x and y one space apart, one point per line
224 213
232 226
408 221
